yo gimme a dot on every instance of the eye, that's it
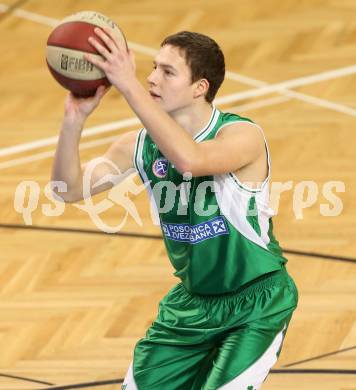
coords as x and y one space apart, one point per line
168 73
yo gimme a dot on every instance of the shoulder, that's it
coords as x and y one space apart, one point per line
235 127
125 142
126 138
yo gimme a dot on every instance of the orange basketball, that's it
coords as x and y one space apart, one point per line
66 46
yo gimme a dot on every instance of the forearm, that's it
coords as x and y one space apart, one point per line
163 129
66 165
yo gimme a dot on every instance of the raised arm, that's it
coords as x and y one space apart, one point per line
67 166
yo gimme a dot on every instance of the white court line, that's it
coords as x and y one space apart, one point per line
21 13
298 82
44 155
106 140
86 133
260 103
263 88
244 79
143 49
321 102
296 95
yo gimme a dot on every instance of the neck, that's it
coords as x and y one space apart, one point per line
194 117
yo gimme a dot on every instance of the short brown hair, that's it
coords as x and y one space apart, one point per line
204 57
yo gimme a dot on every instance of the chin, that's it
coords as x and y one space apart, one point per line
166 108
162 105
176 109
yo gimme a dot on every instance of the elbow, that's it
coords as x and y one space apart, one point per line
72 199
189 160
66 197
63 192
186 167
191 164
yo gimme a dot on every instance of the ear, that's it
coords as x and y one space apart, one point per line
202 87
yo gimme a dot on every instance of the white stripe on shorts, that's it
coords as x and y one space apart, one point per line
129 382
256 374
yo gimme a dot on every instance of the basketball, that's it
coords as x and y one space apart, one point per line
65 50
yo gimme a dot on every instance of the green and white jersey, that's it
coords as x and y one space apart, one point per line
217 231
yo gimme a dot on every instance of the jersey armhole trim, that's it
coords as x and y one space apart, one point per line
202 134
138 161
233 176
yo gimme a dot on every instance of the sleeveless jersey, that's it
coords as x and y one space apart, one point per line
217 231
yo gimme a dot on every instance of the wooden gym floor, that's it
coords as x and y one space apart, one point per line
74 300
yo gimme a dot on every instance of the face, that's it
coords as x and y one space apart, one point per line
170 80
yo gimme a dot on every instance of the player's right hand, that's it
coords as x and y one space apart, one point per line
78 108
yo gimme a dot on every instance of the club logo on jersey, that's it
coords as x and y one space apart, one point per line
195 233
160 167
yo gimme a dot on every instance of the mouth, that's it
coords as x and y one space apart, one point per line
154 95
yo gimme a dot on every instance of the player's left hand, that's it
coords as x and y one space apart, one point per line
118 61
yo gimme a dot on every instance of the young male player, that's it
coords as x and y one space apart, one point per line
223 326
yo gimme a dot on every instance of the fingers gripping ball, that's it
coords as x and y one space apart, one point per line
66 46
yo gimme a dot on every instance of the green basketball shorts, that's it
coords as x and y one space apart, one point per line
227 341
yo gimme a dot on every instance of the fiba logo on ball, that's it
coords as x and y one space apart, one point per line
160 167
77 65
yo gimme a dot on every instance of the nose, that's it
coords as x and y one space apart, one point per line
153 77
